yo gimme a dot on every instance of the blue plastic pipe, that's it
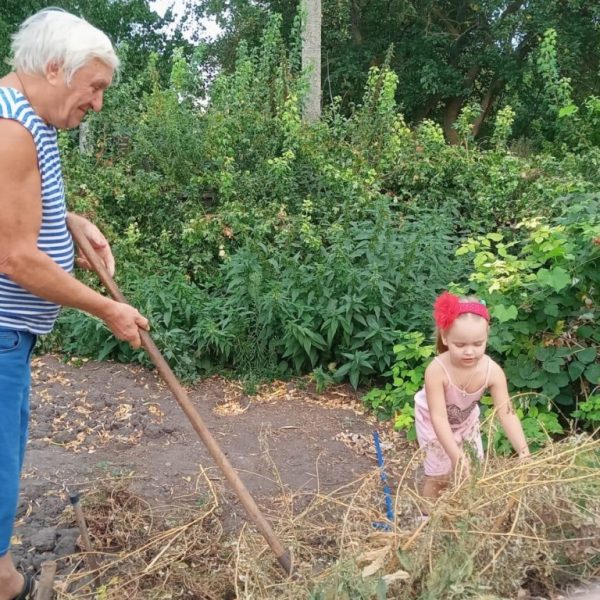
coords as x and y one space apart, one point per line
389 505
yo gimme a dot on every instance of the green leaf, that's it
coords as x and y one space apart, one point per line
107 348
523 327
557 278
560 379
354 374
551 310
552 366
576 368
564 399
504 313
341 372
550 389
543 353
587 356
563 352
567 111
317 338
331 331
585 331
592 374
534 383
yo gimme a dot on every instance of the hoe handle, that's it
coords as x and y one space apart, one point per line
283 556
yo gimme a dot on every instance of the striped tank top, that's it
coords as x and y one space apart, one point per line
19 309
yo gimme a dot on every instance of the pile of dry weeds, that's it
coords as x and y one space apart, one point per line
512 525
148 552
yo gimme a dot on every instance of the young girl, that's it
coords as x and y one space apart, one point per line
447 410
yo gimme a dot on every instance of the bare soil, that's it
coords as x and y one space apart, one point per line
92 421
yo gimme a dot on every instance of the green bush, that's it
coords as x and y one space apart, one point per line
258 243
543 289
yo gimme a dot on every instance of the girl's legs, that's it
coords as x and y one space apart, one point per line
438 469
435 485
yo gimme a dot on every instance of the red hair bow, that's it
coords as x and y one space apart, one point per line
448 306
445 310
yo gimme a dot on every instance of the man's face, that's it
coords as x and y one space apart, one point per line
85 92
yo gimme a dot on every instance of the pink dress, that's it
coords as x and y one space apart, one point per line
463 416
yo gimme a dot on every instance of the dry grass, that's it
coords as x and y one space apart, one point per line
534 524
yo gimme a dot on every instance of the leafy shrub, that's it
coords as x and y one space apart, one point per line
396 399
543 291
257 243
589 412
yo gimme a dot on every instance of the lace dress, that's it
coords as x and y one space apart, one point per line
463 416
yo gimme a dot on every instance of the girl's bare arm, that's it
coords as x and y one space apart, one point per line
506 414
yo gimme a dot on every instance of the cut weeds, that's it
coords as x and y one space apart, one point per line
532 525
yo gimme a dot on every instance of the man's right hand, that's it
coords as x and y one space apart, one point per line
125 322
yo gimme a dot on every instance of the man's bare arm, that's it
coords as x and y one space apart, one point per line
20 222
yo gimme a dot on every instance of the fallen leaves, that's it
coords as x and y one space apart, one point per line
380 556
75 414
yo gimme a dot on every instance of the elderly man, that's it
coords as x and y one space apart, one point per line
62 66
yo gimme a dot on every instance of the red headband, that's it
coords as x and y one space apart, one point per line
448 306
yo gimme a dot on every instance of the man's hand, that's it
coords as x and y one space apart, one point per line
98 242
125 322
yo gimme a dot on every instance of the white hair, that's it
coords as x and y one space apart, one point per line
54 35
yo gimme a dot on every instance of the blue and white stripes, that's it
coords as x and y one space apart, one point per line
19 309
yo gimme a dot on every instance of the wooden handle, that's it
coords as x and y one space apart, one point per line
90 557
283 556
45 586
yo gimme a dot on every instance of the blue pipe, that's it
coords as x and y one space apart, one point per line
389 505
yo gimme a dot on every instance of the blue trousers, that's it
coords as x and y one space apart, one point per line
15 352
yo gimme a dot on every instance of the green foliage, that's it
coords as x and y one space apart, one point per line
447 55
543 290
503 127
323 269
334 300
540 425
396 399
589 412
256 243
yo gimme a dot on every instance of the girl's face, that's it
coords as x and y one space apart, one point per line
466 339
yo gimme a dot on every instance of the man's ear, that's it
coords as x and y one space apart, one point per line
444 338
54 73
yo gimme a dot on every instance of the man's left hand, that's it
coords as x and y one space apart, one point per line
98 242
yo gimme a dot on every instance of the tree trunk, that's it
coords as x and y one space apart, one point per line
357 38
451 112
311 59
454 106
486 105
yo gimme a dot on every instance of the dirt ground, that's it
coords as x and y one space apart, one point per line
91 421
94 421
